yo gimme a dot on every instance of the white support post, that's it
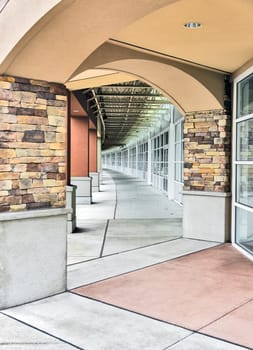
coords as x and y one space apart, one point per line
149 177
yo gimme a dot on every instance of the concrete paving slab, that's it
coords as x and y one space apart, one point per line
127 234
103 202
15 335
109 266
96 326
137 199
87 242
201 342
235 327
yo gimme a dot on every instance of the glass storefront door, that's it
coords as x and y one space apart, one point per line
243 164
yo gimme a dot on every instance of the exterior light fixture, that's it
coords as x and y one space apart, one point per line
192 25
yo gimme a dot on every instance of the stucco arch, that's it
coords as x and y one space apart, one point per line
48 40
181 88
191 88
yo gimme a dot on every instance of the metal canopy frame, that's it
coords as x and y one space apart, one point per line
125 109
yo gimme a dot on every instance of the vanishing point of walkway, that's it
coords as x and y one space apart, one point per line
135 283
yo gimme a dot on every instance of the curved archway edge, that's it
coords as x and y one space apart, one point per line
189 88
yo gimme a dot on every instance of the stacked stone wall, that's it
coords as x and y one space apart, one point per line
207 151
32 144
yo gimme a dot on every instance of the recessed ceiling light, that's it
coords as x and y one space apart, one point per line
192 25
3 3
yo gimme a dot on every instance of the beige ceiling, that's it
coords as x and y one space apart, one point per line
224 41
53 40
53 46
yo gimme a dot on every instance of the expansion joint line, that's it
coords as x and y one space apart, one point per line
116 200
42 331
103 244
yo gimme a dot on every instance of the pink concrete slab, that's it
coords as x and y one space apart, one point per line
191 291
236 327
225 258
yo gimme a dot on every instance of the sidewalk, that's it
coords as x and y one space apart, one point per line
135 283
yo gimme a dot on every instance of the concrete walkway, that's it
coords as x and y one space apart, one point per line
134 283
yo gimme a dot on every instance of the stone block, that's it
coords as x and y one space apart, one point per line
57 89
23 119
50 136
25 183
61 129
56 103
3 103
8 118
9 176
60 137
7 136
30 175
49 167
39 83
57 146
33 167
7 153
5 85
37 183
61 97
25 97
39 205
56 120
33 136
27 198
17 207
41 101
45 197
56 111
49 182
4 193
5 167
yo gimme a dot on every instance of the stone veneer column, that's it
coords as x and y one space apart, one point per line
32 176
32 144
207 153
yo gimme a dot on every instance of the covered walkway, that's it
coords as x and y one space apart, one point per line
135 283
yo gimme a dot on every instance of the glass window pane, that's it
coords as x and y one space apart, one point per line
177 115
178 172
178 132
245 97
245 140
244 181
244 228
178 151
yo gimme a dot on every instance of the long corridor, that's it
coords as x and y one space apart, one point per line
135 283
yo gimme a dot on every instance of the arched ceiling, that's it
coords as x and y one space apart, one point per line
190 88
49 39
53 40
59 41
187 93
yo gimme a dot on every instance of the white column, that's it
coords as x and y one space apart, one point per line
149 177
136 163
171 164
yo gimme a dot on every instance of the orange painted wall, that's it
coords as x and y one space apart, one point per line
79 146
93 150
